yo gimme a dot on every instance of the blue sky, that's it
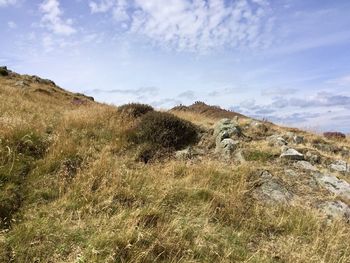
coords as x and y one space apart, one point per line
284 60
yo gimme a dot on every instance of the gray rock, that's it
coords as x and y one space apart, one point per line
276 140
334 185
298 139
290 173
226 128
226 147
21 84
304 165
272 191
312 157
340 166
335 210
291 154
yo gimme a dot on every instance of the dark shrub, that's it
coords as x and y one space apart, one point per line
163 130
4 71
135 109
334 135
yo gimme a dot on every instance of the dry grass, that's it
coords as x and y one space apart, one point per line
87 200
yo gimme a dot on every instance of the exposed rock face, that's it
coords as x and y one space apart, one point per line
226 147
276 140
334 185
291 154
271 190
336 210
340 166
304 165
223 130
226 128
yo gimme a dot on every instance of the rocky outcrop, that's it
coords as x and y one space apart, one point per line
271 190
334 185
335 210
340 166
223 131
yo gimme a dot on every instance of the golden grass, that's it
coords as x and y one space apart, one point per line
87 200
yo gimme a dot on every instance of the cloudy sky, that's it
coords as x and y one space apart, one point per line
284 60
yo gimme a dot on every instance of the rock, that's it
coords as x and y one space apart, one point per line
291 154
276 140
304 165
335 210
290 173
226 147
184 154
223 130
298 139
334 185
21 84
226 128
340 166
271 190
312 157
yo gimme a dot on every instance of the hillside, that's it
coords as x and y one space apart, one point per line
82 181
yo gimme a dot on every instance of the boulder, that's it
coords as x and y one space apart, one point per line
226 128
304 165
271 190
276 140
340 166
335 210
291 154
226 147
334 185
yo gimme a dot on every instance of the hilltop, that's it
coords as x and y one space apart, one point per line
83 181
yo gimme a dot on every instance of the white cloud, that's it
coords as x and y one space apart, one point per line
11 24
196 25
53 20
4 3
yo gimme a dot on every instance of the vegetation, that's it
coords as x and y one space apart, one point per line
71 191
135 109
334 135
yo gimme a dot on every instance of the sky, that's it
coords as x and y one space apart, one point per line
287 61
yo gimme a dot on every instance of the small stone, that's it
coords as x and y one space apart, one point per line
298 139
291 154
304 165
276 140
313 158
184 154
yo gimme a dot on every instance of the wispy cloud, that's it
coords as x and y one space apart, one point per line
198 25
4 3
52 18
151 91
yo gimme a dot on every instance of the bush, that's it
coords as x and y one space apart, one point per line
135 109
334 135
163 130
4 71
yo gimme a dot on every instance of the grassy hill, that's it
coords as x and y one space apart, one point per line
75 185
